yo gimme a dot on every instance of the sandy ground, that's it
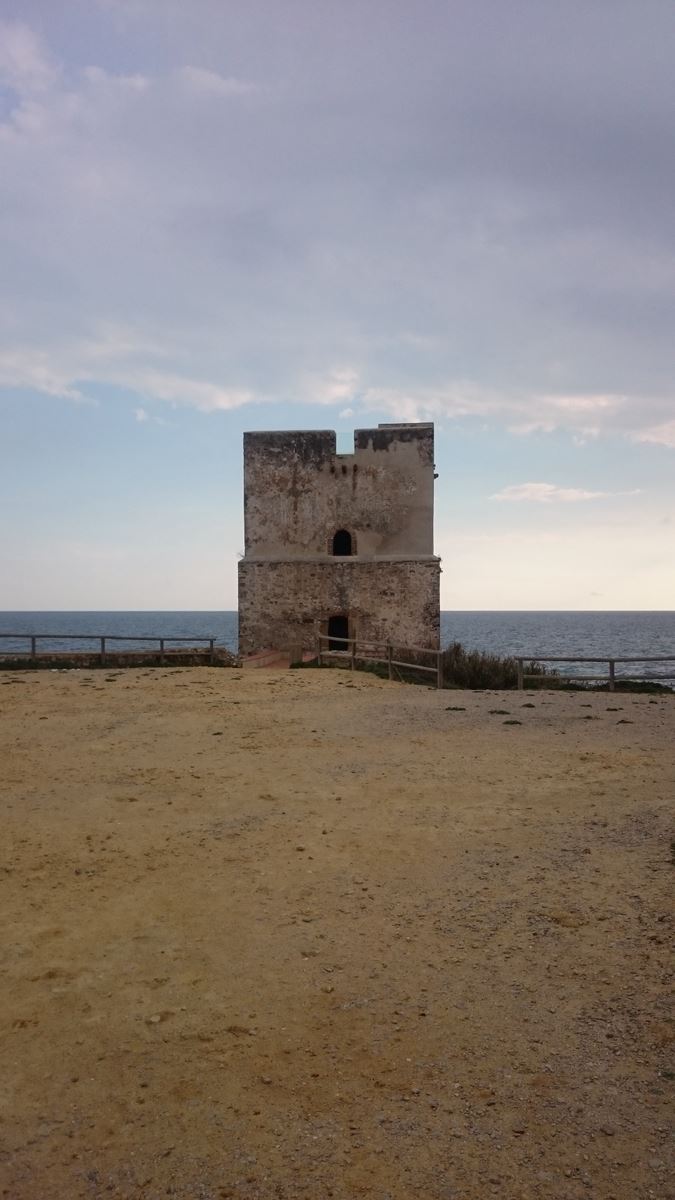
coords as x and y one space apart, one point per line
298 935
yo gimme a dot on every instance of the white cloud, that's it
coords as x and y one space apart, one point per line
115 356
660 435
38 371
143 417
336 386
525 413
547 493
210 83
25 64
456 399
100 78
177 389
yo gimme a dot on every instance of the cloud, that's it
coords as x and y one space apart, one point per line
571 411
210 83
25 64
660 435
336 386
345 212
547 493
196 393
520 413
117 358
38 371
143 417
99 78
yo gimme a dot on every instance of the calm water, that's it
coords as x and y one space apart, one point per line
623 634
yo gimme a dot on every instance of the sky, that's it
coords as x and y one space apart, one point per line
247 214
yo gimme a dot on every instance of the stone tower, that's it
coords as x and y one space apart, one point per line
340 544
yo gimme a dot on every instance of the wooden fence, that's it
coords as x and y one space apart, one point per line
103 640
610 678
356 650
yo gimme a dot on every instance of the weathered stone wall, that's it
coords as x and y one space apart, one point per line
298 492
285 602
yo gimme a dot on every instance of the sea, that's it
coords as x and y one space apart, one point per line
532 634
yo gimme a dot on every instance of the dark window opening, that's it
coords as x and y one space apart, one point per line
338 627
342 543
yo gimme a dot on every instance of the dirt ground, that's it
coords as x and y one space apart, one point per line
278 935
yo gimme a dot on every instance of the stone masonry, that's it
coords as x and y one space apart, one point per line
340 544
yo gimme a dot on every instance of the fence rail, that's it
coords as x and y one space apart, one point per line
102 640
356 650
611 678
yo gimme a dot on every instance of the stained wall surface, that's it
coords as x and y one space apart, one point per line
285 604
298 492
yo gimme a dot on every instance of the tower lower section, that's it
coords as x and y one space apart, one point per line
288 602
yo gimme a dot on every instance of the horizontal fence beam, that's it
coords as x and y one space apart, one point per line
572 678
596 678
611 678
96 637
412 666
352 651
103 639
417 649
328 637
607 658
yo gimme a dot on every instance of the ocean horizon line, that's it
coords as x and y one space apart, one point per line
229 611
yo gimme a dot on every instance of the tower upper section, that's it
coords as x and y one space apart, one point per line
303 500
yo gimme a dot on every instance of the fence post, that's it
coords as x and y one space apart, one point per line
439 668
211 641
102 651
352 660
390 654
612 676
32 646
521 679
161 652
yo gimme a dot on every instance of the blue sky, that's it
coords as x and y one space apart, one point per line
220 217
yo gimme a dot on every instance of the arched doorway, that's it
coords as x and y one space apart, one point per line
342 543
338 627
